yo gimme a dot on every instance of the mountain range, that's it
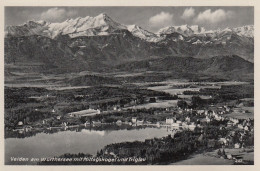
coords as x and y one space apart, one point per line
99 43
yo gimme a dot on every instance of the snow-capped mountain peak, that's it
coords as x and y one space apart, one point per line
132 27
183 29
247 30
143 34
102 24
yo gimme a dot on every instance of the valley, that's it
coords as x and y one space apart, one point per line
91 89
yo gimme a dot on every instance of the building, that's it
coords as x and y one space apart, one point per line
116 108
134 119
200 112
185 125
208 119
44 121
187 119
246 128
169 121
175 124
88 112
229 124
119 122
223 141
192 126
20 123
237 145
179 122
86 123
240 126
96 123
234 120
140 122
27 128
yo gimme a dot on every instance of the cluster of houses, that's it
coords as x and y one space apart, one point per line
210 115
243 126
173 122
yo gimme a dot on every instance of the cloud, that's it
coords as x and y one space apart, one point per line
57 14
188 13
160 20
214 16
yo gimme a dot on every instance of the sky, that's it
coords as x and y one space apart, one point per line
149 18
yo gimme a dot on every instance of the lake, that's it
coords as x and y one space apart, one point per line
85 141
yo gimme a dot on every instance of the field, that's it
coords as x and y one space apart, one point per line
157 104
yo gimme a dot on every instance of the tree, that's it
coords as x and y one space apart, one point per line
196 101
182 104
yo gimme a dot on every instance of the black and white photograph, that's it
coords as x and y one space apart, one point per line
129 85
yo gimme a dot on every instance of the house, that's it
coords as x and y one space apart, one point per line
184 125
134 119
96 123
240 126
64 124
246 128
148 122
44 121
139 122
237 145
192 126
20 123
116 108
244 122
58 117
223 141
235 121
27 128
169 121
53 110
229 124
119 122
175 124
187 119
208 119
86 123
179 122
200 111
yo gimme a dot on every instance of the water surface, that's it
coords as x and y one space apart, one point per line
85 141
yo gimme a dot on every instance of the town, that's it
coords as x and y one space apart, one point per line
196 115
